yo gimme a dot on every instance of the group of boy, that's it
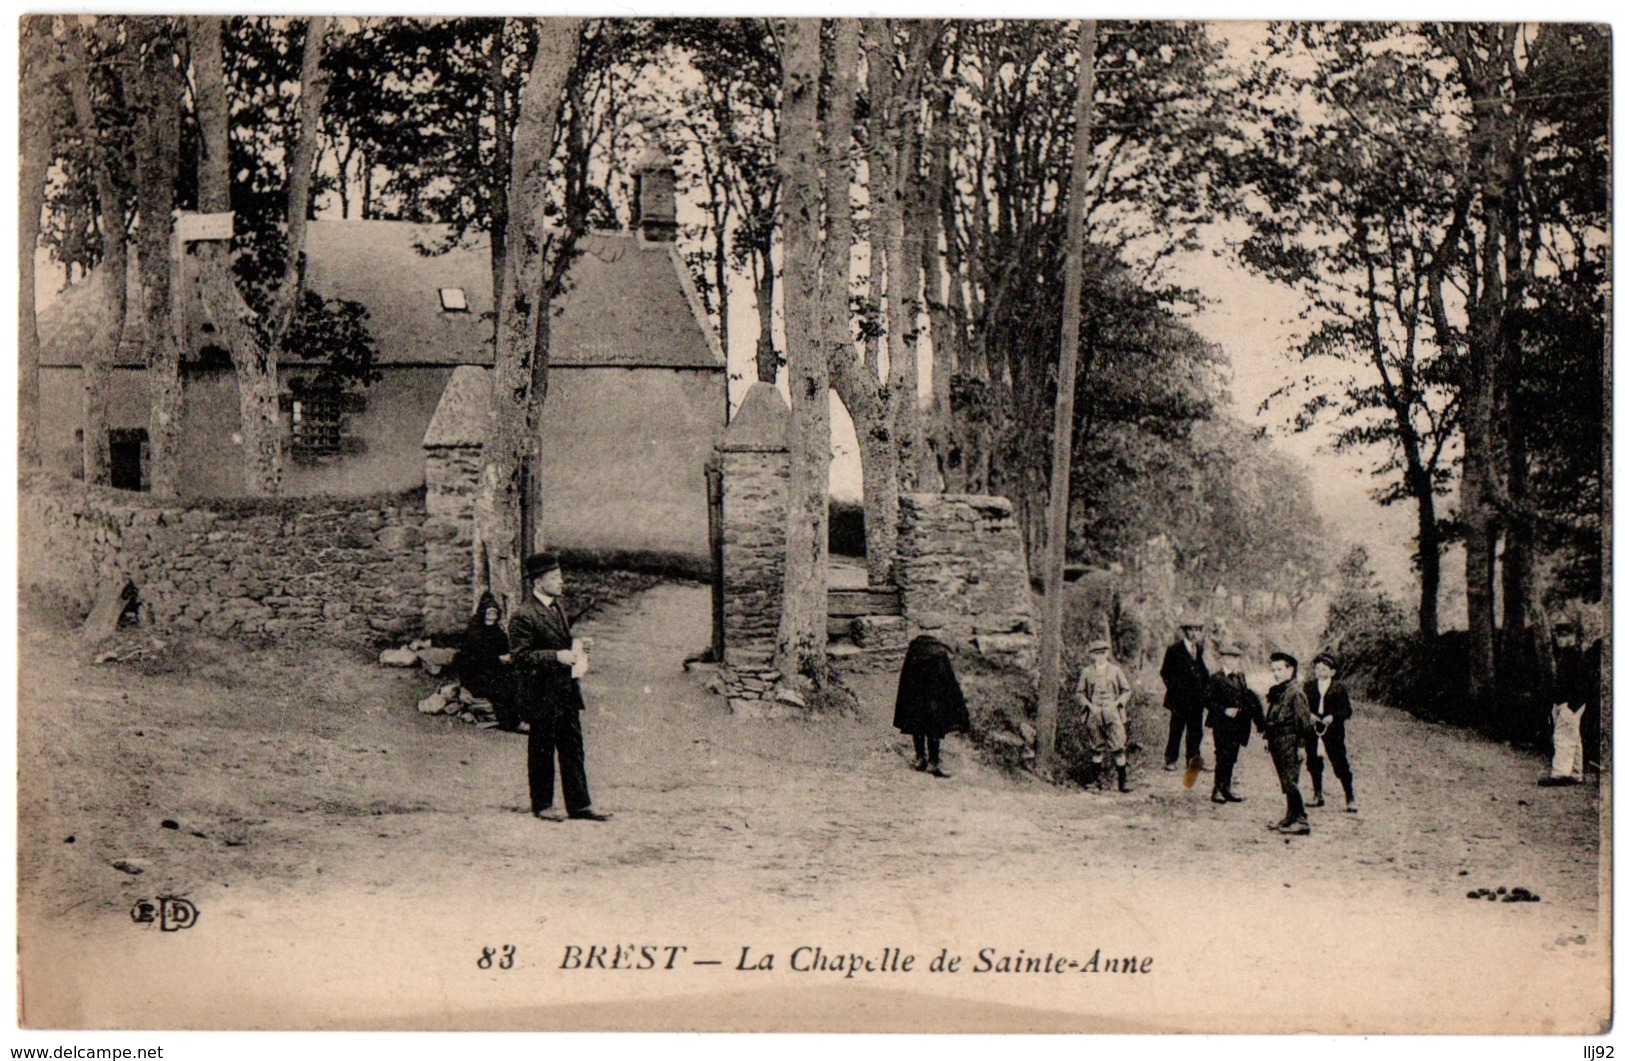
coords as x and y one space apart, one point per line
1299 720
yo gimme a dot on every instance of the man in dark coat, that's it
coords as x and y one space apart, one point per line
1329 709
1591 721
930 704
549 694
1232 711
1286 722
1184 676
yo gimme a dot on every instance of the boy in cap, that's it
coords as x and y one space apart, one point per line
1329 708
1232 711
1286 723
550 695
1568 705
1184 676
1104 691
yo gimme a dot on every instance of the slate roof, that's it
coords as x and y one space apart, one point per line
628 302
68 325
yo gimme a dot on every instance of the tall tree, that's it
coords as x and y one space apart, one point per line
880 392
803 625
254 355
111 180
1164 132
1530 98
855 369
1060 514
898 190
40 68
537 257
1355 204
156 93
1450 193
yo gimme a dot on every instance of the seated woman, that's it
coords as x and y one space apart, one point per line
483 665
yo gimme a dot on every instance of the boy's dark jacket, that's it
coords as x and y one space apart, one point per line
1230 690
1286 718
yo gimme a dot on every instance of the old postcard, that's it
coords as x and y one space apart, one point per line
551 525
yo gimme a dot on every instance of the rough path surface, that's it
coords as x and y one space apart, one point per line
351 860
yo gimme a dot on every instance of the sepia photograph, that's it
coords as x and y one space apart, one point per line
785 524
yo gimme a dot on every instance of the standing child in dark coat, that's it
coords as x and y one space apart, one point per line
1329 709
1232 712
930 704
1286 723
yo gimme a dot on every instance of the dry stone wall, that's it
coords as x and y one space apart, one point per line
350 570
962 573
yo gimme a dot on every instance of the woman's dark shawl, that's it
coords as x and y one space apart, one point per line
478 666
929 700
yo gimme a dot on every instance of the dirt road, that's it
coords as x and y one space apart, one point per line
351 861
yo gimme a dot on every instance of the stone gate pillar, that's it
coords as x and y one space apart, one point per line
962 573
755 458
451 471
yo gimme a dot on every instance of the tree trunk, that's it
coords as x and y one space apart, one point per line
874 415
1482 456
906 213
301 170
803 624
878 452
861 394
719 276
158 123
231 316
530 273
1049 657
767 356
114 278
1429 546
258 389
35 148
940 431
502 159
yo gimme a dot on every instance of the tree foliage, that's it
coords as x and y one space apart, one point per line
1353 204
1447 184
1006 111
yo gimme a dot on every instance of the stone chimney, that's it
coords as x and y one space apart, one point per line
654 197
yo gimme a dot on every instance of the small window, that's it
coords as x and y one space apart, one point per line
453 300
318 420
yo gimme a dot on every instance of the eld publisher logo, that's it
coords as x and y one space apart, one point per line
171 913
